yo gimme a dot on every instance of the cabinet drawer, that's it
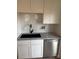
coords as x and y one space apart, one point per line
37 42
23 42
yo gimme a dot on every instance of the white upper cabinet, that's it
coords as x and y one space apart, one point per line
30 6
37 6
51 11
23 5
50 8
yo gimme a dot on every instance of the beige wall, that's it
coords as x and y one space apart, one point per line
57 27
23 21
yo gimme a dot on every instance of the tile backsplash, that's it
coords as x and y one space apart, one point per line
36 27
23 21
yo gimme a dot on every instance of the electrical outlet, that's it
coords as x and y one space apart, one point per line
42 27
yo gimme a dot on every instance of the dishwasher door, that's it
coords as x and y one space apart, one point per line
50 48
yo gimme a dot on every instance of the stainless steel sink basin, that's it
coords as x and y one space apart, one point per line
34 35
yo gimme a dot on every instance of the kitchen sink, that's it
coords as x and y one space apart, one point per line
32 35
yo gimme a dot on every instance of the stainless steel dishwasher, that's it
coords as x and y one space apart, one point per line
50 48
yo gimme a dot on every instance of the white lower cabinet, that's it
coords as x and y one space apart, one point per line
37 51
37 48
23 51
33 49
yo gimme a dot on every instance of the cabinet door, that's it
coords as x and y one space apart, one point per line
51 11
37 48
37 51
23 5
37 6
23 51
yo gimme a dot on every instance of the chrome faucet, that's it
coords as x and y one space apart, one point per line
30 28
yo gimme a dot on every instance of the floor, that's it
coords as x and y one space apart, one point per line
44 58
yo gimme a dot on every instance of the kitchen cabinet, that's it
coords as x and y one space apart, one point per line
37 42
30 49
37 6
37 51
23 6
30 6
51 11
37 48
24 49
